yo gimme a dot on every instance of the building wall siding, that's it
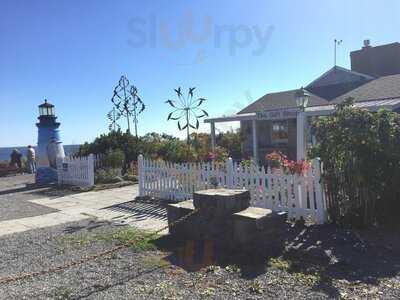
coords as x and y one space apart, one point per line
264 141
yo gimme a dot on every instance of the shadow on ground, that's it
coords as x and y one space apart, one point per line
54 191
37 191
323 255
141 209
319 254
27 188
90 226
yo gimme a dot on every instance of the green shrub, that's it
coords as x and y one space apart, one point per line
116 145
114 159
128 177
108 176
360 151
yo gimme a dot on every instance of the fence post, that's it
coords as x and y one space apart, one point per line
229 173
91 169
59 162
141 175
320 194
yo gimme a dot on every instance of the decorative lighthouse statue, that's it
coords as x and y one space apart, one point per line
49 146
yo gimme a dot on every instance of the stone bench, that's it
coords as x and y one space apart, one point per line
225 217
254 223
175 212
221 202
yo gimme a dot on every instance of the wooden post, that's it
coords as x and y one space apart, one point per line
141 175
322 213
59 170
229 173
91 169
212 125
255 144
300 145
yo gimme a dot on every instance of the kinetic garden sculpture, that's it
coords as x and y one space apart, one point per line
186 110
113 116
138 106
127 102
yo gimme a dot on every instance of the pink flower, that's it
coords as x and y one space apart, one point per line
210 156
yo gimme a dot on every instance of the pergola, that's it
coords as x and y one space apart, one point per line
300 113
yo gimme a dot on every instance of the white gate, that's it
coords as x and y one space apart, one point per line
76 171
299 195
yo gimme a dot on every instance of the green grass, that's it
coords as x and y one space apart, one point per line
303 271
279 263
154 262
141 240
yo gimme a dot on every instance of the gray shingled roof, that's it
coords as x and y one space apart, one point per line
386 87
338 75
279 100
336 82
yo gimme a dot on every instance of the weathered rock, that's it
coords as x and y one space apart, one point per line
254 223
177 211
224 216
221 202
198 226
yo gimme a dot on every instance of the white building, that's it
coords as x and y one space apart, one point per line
281 121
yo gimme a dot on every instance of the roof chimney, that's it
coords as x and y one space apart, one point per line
376 61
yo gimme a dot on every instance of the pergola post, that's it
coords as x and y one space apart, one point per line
300 145
212 124
255 148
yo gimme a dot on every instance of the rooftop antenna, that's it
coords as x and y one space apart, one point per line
337 43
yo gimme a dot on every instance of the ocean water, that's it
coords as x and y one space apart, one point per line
6 151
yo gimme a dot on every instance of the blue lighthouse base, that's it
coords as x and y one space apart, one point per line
46 175
49 149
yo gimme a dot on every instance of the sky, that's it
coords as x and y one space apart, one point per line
74 52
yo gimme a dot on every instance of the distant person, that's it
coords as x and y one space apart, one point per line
16 159
31 158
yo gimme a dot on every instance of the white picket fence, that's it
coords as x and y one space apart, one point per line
77 171
300 196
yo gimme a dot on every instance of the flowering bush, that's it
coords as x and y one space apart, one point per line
219 155
297 167
277 159
210 156
274 159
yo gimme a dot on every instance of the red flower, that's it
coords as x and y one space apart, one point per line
278 159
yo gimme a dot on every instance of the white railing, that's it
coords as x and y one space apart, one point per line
76 171
299 195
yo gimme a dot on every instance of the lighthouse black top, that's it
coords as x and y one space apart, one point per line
46 109
47 114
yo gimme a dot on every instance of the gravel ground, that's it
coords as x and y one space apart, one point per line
15 181
317 262
15 191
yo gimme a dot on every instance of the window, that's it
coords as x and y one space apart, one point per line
280 132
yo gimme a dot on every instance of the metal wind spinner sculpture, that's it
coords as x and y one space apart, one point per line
186 110
113 116
138 106
127 102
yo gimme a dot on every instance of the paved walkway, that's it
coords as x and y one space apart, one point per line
115 205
